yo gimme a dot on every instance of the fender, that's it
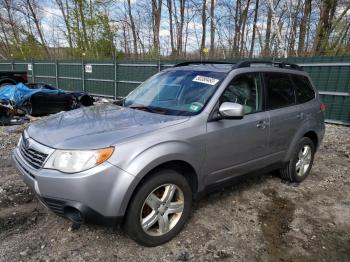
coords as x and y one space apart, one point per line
156 155
307 126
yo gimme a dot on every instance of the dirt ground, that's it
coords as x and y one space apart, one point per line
259 219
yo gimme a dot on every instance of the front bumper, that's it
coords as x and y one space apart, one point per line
98 193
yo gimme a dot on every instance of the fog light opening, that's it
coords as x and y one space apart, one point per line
73 215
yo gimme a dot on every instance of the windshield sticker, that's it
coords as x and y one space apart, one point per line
206 80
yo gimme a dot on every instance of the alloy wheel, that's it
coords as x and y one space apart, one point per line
304 160
162 210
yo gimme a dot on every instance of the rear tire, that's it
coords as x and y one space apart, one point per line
159 209
299 167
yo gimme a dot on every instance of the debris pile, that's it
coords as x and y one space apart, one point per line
38 99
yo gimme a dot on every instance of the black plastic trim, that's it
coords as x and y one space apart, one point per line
90 216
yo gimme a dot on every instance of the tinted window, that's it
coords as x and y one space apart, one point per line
303 89
244 89
280 90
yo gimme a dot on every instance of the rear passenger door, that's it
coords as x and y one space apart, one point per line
286 116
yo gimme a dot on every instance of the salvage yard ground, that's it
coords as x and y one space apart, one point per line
259 219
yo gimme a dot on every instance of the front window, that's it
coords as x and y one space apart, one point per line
245 89
177 92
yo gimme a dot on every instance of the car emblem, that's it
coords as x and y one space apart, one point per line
26 143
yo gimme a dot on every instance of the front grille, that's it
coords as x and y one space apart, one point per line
25 169
33 157
57 206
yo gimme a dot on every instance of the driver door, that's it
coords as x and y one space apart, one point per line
236 146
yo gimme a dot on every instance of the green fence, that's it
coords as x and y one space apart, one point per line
331 76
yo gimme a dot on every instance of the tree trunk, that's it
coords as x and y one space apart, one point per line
181 27
156 15
86 43
65 14
170 9
133 28
267 51
293 30
254 28
38 26
204 25
303 27
324 26
243 22
186 29
125 40
212 28
238 24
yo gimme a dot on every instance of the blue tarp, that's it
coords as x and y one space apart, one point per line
18 94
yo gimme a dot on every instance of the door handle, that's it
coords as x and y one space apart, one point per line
300 115
261 124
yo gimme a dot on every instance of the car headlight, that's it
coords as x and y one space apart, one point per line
72 161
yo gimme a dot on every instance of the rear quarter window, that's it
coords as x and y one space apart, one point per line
303 89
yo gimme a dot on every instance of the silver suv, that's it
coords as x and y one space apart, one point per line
183 132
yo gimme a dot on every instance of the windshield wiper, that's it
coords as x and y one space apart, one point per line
147 109
143 108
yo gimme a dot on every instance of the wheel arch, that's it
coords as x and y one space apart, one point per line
181 166
304 132
313 136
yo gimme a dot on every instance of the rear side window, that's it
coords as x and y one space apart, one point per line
279 90
303 89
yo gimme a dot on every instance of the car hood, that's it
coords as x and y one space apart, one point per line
97 126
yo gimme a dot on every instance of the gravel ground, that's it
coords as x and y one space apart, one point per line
259 219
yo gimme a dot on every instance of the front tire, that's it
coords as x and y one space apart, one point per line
159 209
299 167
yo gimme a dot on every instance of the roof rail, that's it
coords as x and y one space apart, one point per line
285 65
201 63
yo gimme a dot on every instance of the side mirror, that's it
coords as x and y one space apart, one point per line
231 110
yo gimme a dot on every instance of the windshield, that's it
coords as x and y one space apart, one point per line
175 92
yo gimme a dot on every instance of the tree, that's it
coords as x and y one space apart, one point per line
180 26
156 16
254 28
133 28
267 50
303 26
65 11
241 28
204 25
32 7
170 9
212 28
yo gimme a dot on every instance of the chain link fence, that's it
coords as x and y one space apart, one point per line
113 79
